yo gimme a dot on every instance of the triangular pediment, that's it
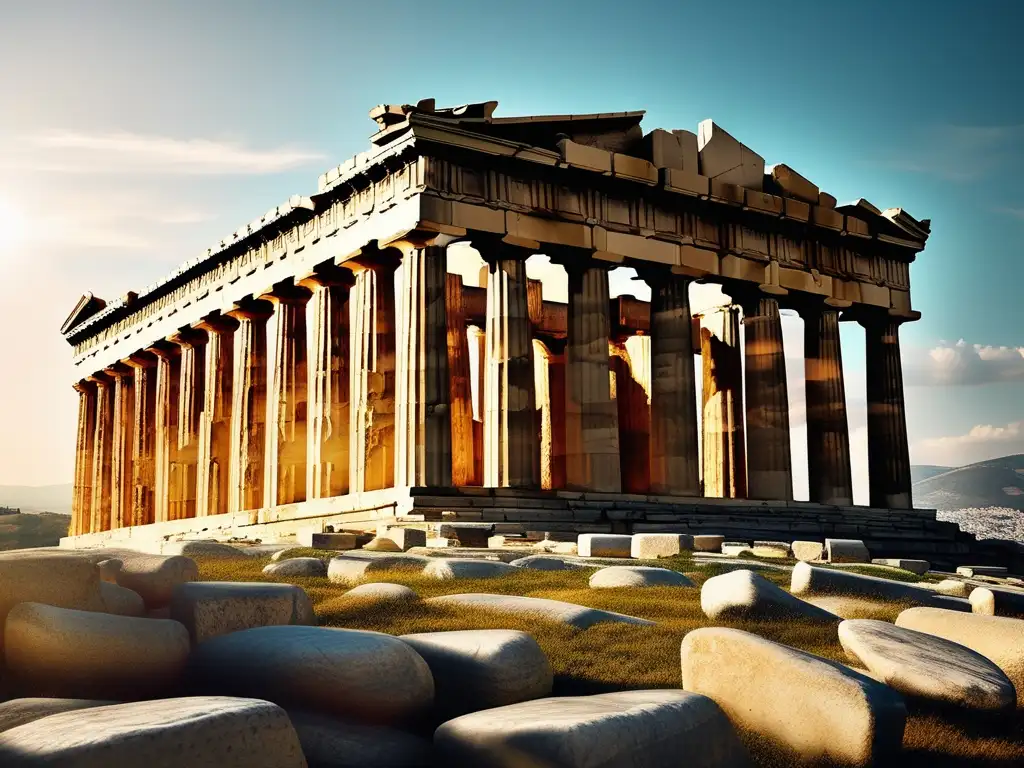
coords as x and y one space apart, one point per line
86 307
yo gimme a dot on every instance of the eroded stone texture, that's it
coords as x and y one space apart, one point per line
297 566
743 594
644 546
724 452
195 732
213 459
724 159
813 707
576 616
52 578
808 551
648 728
15 712
154 576
209 609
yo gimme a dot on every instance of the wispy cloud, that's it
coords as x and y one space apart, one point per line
960 152
1017 213
123 152
963 364
981 442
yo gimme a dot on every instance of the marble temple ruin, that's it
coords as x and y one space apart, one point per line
327 364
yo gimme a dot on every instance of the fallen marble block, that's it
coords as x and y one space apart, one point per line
15 712
198 732
810 580
482 668
746 595
209 549
446 568
330 742
981 570
212 608
403 538
382 591
155 576
648 729
63 652
353 567
550 563
604 545
297 566
51 578
925 666
722 158
121 601
920 567
993 601
846 551
381 544
577 616
952 587
637 576
808 551
771 549
365 676
813 707
998 638
708 542
649 546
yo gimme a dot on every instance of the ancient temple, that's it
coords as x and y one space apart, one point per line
316 365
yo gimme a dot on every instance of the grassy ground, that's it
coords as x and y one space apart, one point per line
609 657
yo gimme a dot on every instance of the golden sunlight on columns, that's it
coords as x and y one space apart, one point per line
81 501
460 390
213 453
724 459
591 418
121 452
372 370
249 407
630 361
511 456
549 386
328 400
167 482
191 380
143 432
423 434
102 448
477 340
284 475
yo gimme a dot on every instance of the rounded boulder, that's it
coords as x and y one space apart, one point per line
637 576
465 568
382 591
212 608
297 566
744 594
121 601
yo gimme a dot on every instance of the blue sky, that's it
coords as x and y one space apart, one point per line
134 136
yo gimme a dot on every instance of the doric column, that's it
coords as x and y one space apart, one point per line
591 420
81 512
143 437
828 439
675 458
191 377
284 477
328 404
724 459
214 449
477 340
249 408
549 386
121 451
372 367
167 482
460 389
511 456
630 361
769 465
888 451
423 435
102 449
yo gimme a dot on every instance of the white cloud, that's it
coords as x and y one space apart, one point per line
981 442
122 152
962 364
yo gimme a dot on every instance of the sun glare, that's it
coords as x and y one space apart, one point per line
12 229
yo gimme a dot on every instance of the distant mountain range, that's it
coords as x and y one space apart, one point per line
992 483
37 498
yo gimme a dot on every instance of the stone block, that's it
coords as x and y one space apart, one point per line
652 729
381 590
446 568
577 616
925 666
808 551
809 580
825 200
706 542
587 158
469 534
297 566
496 542
744 594
482 668
827 217
155 576
63 652
109 570
792 184
812 707
604 545
952 587
846 551
634 168
992 601
330 742
685 182
195 732
795 209
736 548
213 550
381 544
209 609
998 638
676 150
366 676
920 567
336 541
352 567
763 202
121 601
725 192
550 563
723 158
981 570
15 712
52 578
637 576
688 149
771 549
649 546
405 538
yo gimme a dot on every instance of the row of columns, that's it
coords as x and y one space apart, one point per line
325 386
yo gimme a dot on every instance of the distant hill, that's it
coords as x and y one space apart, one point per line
37 498
993 483
42 529
920 472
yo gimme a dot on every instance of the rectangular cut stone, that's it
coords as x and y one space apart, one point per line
634 168
878 295
762 202
642 248
684 182
794 209
477 217
808 551
727 192
724 159
648 546
792 184
920 567
547 231
857 227
708 542
688 148
825 200
662 148
588 158
405 538
826 217
846 551
797 279
604 545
